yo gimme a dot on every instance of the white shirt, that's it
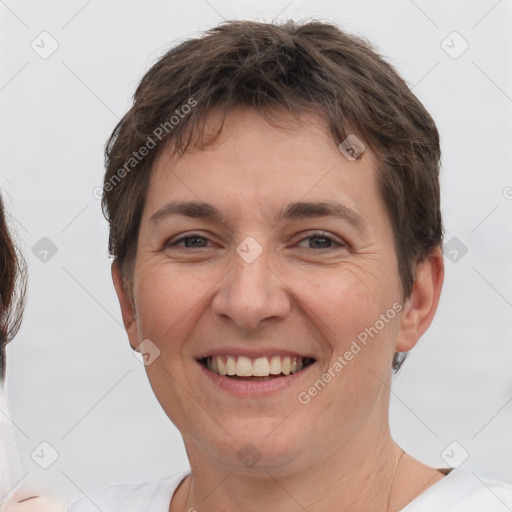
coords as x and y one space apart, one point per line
13 496
10 467
460 491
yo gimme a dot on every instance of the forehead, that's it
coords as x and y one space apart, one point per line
255 163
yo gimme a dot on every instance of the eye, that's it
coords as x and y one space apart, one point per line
318 240
193 240
322 241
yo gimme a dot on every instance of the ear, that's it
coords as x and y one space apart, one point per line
127 309
421 306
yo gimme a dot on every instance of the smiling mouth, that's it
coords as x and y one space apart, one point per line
255 370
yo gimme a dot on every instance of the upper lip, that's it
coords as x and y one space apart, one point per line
254 353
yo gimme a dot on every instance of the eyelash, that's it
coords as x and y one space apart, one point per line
314 234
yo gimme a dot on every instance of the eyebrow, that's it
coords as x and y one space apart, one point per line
198 209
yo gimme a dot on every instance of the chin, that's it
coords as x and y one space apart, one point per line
256 443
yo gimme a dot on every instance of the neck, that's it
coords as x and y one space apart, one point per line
359 476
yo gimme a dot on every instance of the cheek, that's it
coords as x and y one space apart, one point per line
345 306
343 300
163 298
170 301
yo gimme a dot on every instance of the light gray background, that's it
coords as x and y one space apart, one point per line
72 378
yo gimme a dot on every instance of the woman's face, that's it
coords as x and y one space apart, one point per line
264 281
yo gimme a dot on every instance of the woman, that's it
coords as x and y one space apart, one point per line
13 497
274 210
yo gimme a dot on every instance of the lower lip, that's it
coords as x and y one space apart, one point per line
245 388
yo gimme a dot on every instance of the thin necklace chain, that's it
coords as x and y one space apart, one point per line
393 480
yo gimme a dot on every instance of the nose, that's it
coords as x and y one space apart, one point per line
251 293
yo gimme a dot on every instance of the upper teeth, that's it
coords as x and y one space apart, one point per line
243 366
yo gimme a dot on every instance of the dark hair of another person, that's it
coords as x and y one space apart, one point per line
12 287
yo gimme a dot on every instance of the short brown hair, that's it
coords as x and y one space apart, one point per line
12 287
293 67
